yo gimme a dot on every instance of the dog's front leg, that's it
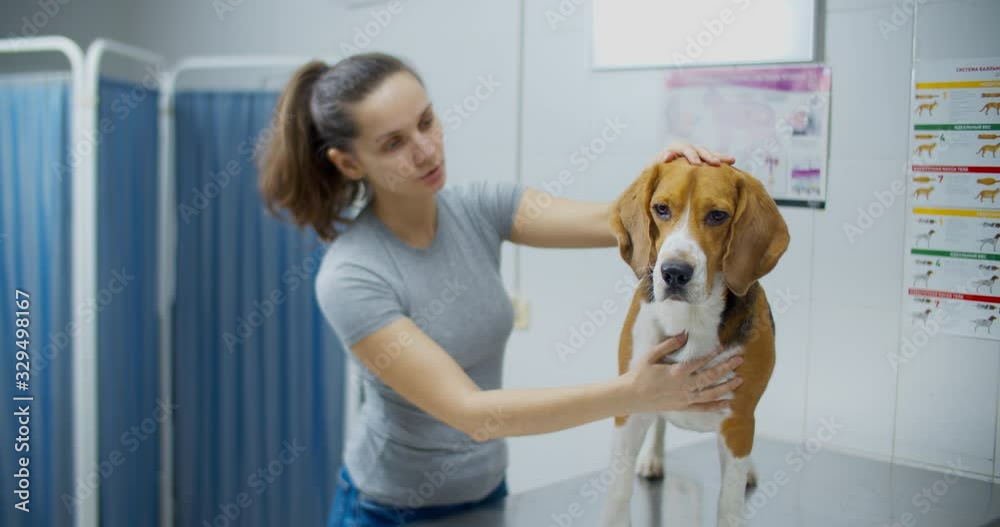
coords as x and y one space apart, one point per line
650 463
627 442
738 473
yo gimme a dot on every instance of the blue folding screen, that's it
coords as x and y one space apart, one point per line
258 373
130 413
35 253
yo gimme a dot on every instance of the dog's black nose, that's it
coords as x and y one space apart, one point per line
676 274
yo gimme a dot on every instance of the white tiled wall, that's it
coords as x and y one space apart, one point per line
996 446
947 392
835 340
782 410
948 404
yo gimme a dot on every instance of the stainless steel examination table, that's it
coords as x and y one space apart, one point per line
795 489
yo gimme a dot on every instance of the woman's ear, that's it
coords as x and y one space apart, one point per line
758 238
632 222
345 163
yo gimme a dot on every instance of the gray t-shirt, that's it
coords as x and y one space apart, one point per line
453 291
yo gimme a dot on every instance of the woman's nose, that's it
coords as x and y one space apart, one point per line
425 149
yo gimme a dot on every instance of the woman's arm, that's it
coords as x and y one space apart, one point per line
413 365
543 220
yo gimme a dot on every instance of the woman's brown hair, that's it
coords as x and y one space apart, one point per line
313 115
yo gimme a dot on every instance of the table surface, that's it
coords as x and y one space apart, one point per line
822 489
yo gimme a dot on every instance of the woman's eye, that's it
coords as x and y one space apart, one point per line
392 145
662 211
427 122
716 217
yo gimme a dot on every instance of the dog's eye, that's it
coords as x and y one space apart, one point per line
662 211
716 217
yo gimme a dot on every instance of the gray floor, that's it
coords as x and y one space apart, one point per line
825 489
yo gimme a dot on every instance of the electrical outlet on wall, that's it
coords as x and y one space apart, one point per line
521 311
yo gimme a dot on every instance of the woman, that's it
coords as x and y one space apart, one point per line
412 286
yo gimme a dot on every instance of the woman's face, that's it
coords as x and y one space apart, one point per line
400 146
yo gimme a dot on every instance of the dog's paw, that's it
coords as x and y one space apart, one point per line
751 479
650 465
616 522
615 517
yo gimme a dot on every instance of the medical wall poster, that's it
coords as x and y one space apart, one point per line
774 120
952 268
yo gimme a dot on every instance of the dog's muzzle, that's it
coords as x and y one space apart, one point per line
676 276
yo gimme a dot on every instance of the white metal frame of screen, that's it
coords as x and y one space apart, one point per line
85 70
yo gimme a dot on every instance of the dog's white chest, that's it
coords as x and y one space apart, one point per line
706 421
697 421
655 320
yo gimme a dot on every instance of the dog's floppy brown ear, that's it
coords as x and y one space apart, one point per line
758 238
632 222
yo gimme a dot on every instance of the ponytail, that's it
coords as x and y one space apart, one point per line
313 115
295 173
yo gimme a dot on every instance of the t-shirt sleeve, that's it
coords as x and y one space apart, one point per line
356 302
498 202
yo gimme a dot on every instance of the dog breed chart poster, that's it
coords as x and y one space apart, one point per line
775 120
953 225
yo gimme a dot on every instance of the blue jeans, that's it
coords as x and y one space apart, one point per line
353 509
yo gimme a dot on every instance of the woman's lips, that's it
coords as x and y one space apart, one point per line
433 175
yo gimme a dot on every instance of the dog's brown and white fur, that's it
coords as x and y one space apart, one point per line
698 238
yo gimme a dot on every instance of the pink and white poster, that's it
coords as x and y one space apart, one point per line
775 120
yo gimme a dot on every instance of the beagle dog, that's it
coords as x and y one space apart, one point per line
698 239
